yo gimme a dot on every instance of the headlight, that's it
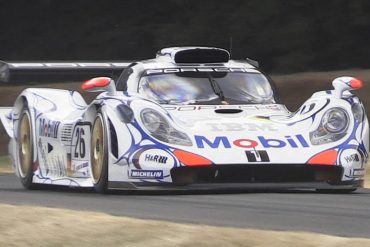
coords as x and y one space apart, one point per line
153 121
333 127
161 129
335 120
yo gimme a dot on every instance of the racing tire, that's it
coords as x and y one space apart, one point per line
25 149
99 154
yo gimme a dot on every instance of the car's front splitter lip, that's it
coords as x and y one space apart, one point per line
144 186
244 176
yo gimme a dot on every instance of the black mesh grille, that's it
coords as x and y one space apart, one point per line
202 56
256 173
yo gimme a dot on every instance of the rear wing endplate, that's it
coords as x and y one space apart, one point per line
20 72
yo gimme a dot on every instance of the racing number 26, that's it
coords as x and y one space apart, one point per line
80 147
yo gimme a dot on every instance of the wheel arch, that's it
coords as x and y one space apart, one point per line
119 140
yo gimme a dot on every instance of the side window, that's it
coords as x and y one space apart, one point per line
122 80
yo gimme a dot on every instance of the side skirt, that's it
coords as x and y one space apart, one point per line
64 181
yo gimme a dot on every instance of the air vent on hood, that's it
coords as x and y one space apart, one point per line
228 111
195 54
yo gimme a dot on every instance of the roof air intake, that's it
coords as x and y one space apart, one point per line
195 54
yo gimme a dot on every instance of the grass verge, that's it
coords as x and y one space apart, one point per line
39 226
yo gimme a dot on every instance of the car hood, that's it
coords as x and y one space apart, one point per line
244 134
208 116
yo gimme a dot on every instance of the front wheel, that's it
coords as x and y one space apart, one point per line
25 149
99 154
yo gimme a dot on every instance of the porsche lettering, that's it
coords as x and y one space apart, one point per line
176 70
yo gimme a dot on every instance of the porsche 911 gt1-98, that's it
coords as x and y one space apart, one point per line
189 119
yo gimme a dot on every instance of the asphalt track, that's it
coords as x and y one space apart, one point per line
335 214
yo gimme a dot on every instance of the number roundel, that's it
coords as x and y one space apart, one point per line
80 140
80 147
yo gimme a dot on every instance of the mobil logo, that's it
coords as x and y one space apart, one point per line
296 141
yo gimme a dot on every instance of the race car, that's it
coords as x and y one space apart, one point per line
191 118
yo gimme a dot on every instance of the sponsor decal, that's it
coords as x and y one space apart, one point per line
52 158
241 127
147 174
257 156
156 158
215 107
358 172
82 165
176 70
152 158
79 169
351 158
42 152
48 128
297 141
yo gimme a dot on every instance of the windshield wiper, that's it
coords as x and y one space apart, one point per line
169 101
196 101
216 88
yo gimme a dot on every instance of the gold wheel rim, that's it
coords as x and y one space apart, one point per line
97 149
25 147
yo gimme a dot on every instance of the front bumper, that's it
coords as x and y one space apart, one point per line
261 173
261 176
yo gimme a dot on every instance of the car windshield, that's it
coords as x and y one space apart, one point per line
196 87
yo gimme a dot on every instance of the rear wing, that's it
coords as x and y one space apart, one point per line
20 72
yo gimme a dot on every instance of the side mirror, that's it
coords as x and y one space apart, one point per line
100 84
346 83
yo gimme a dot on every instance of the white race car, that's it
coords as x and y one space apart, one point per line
191 119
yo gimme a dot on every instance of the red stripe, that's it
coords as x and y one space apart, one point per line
328 157
191 159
